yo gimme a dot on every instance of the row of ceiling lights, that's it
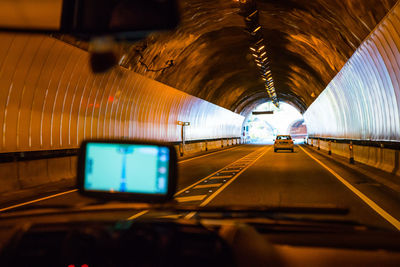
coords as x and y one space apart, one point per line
258 49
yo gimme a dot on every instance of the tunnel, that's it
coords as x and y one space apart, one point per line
336 62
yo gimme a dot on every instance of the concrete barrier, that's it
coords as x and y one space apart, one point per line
379 157
9 177
74 165
195 147
15 176
60 168
19 175
32 173
396 169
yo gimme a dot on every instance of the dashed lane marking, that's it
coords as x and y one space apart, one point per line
207 186
173 216
234 170
195 189
190 215
232 179
241 160
137 215
363 197
190 198
211 175
221 177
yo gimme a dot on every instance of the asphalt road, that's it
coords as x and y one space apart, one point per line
256 176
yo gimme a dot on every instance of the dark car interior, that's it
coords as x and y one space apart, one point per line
136 179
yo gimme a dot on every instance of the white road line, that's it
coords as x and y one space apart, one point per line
190 198
37 200
137 215
363 197
219 190
189 215
206 186
221 177
173 216
234 170
212 174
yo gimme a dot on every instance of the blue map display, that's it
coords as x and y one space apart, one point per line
126 168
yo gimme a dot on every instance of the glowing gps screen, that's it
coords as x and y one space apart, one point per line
129 168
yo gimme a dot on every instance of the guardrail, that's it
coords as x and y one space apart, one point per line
192 146
382 144
384 155
60 153
35 155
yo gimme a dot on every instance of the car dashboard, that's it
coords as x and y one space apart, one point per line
171 242
115 244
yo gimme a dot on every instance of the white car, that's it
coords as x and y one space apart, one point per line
283 142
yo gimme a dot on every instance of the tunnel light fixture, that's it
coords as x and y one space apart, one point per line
258 47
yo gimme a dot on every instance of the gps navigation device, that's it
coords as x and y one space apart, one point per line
127 170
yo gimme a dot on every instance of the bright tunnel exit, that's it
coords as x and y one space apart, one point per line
266 121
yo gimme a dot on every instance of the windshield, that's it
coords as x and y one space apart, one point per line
283 137
231 79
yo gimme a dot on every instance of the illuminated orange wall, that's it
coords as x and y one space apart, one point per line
49 99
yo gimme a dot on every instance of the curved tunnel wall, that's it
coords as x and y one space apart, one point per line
49 100
363 100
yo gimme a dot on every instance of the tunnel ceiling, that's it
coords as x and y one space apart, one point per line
208 56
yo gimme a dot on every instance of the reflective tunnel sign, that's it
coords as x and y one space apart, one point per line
184 123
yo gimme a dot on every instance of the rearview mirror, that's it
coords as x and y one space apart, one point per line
121 170
90 17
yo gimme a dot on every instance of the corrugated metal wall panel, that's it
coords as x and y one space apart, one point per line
363 100
49 99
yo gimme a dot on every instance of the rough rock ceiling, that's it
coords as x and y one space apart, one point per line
308 43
